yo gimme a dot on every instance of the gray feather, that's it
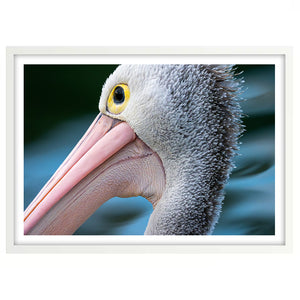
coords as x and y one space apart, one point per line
203 118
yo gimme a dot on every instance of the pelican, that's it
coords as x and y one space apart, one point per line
164 132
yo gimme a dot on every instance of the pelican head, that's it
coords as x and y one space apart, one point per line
164 132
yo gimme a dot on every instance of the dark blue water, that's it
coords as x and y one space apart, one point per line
249 205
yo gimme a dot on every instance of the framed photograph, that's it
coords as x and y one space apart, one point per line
156 149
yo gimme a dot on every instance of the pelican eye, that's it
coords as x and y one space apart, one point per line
119 95
118 99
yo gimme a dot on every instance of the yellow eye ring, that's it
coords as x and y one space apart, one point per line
118 99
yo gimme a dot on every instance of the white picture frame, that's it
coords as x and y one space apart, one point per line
17 56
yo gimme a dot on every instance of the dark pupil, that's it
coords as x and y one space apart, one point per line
119 95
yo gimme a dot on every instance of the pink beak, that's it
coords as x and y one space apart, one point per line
103 139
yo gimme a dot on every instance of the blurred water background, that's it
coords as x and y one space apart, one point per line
62 100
